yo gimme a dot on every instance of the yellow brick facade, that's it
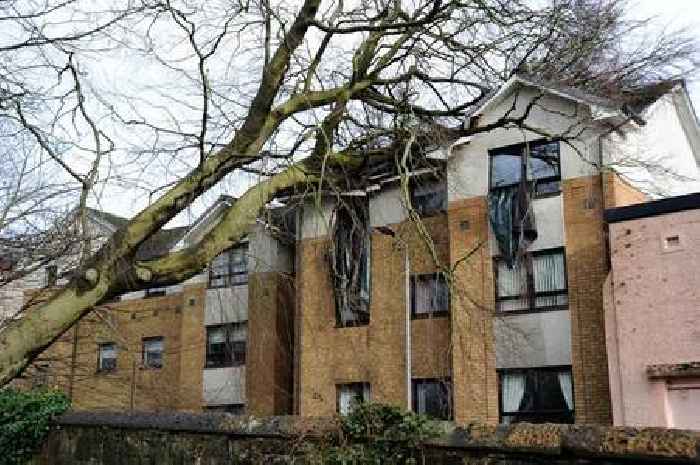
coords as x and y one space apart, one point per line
296 354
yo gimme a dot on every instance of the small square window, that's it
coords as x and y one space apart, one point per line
433 397
350 395
537 395
430 295
230 268
226 345
542 170
429 198
107 357
152 352
536 282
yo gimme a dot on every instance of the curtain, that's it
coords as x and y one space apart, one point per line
345 401
566 388
511 283
423 290
549 276
512 391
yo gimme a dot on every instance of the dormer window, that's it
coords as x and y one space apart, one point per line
538 162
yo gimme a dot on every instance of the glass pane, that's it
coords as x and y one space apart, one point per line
238 332
219 266
441 301
543 161
428 199
548 271
511 281
506 168
239 259
433 399
552 300
216 335
549 395
422 294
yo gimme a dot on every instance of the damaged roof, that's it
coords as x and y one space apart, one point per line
628 101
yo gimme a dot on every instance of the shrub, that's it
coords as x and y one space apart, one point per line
24 421
377 434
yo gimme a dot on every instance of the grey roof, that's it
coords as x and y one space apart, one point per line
157 245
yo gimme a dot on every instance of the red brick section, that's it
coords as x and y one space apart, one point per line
473 359
587 268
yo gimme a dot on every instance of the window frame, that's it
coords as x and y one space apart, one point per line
432 314
362 318
232 409
540 413
531 294
230 359
228 277
521 147
100 368
144 361
363 386
439 185
446 381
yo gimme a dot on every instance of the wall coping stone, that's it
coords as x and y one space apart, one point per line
578 440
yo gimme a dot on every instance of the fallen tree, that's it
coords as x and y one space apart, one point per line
330 88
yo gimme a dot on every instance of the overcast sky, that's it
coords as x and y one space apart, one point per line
673 14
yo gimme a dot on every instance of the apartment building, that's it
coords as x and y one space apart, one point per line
222 340
483 301
505 341
652 311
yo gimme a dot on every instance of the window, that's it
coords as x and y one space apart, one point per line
350 395
226 345
107 358
542 169
430 295
230 268
350 262
234 409
155 292
152 352
537 395
433 397
429 199
537 282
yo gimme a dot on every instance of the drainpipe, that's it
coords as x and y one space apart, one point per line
387 231
407 271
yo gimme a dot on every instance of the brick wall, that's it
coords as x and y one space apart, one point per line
375 353
72 361
270 344
473 360
587 268
619 193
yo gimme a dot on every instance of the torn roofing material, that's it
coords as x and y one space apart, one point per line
626 103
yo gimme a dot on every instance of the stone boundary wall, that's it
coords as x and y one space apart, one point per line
101 438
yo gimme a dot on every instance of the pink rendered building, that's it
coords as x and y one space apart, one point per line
652 313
